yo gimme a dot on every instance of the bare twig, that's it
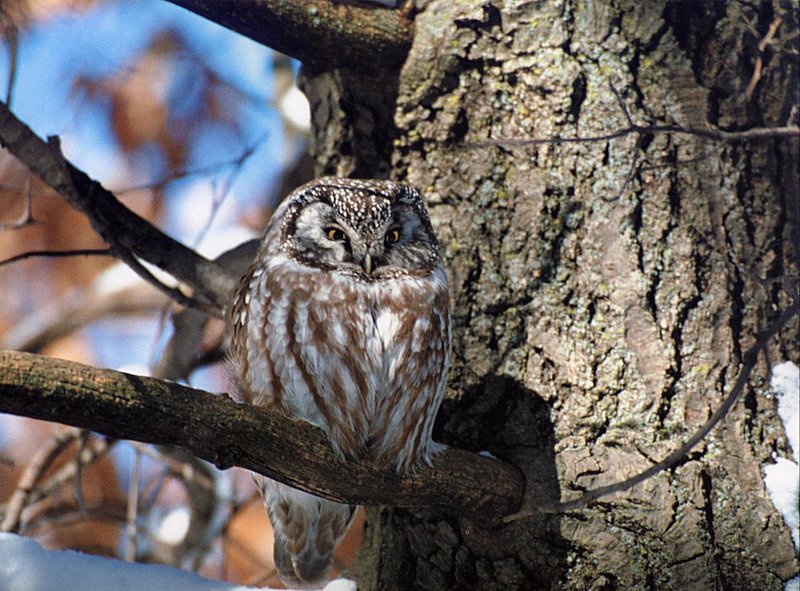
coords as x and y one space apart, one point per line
235 163
95 449
710 133
40 463
130 237
182 470
766 41
122 251
53 254
755 133
77 309
748 363
77 488
641 131
133 507
11 38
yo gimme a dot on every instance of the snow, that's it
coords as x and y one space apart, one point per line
782 478
786 383
26 566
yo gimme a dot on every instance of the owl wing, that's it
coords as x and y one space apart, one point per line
271 349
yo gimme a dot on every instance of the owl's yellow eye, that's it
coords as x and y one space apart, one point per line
336 234
392 236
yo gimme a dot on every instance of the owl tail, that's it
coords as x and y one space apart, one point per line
308 569
306 531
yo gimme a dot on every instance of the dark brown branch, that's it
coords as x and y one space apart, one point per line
320 33
55 254
227 434
130 237
711 133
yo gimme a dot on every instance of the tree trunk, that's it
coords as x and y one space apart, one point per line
604 291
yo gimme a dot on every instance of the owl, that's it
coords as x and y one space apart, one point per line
342 320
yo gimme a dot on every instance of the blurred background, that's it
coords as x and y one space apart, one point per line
201 131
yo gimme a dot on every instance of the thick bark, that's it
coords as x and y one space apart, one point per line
604 291
320 33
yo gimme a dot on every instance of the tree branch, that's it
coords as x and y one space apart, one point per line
320 33
227 434
710 133
130 237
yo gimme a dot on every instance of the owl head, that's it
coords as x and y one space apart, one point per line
368 229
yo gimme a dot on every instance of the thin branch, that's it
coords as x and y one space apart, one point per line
11 40
75 310
95 449
748 363
182 470
133 507
710 133
124 251
320 33
216 429
131 238
235 163
43 460
77 488
766 41
54 254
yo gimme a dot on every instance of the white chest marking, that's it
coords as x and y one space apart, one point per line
387 323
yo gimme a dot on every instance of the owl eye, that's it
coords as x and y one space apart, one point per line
392 236
336 234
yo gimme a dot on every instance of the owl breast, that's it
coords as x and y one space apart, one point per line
366 361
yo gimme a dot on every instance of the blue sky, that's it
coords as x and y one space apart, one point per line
101 41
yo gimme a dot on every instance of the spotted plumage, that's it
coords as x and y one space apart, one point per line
343 321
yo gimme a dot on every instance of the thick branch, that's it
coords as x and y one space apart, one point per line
227 434
129 236
320 33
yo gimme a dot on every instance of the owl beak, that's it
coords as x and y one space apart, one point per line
366 264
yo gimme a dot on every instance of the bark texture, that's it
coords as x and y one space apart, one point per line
604 291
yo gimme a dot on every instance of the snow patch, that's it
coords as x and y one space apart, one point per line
782 478
786 384
26 566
